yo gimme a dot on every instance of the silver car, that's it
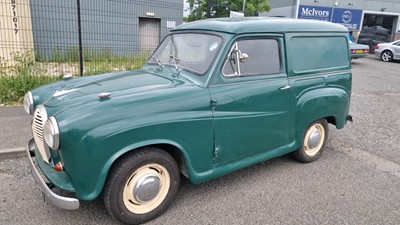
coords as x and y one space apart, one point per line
388 51
358 50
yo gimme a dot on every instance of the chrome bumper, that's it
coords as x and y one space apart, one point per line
50 196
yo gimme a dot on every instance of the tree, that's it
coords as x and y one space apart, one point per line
221 8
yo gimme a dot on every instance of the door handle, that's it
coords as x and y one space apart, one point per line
284 87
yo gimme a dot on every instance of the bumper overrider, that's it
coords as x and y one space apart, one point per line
53 198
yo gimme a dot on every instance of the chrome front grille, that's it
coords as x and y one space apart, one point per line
39 118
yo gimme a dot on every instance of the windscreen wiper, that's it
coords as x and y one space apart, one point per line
158 62
176 63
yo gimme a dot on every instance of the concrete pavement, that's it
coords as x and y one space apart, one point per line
14 131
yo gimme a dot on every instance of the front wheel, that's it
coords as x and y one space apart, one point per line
387 56
141 185
314 142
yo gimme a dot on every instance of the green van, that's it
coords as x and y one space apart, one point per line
216 96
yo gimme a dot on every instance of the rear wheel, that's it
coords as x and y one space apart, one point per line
387 56
141 186
314 142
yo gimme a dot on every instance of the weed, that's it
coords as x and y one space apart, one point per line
25 75
30 70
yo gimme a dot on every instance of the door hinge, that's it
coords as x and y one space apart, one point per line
215 153
213 102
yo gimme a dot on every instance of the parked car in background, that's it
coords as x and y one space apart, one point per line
358 50
388 51
372 36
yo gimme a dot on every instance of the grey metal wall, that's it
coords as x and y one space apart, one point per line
284 8
106 24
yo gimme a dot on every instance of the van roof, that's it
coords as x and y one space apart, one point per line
261 24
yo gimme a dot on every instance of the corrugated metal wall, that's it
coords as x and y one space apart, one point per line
106 24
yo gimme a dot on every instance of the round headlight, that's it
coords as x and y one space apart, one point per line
28 103
51 133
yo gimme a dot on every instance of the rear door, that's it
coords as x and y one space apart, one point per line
251 99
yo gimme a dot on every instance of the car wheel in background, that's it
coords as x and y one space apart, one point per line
387 56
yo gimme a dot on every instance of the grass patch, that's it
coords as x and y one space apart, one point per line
23 76
28 72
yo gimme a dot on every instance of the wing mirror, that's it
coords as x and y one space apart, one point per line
243 57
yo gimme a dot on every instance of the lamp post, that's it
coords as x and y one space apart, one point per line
244 4
208 8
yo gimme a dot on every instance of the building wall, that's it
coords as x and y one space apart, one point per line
379 8
370 5
111 25
284 8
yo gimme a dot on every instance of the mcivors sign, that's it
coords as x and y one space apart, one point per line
314 12
350 18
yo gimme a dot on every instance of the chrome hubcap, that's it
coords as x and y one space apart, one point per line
146 188
314 139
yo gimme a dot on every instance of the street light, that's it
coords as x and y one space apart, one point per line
244 4
209 9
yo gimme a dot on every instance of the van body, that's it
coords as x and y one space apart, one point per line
216 96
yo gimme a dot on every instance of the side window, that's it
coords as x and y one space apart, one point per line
318 53
253 57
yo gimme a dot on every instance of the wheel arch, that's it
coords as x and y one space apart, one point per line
178 156
175 150
331 120
331 104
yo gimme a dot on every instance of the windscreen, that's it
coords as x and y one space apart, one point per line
187 51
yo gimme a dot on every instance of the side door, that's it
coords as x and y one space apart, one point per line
250 99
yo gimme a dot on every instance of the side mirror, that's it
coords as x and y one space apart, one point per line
244 57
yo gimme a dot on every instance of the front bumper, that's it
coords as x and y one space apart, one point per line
54 199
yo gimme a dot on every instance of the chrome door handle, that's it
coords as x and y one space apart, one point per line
284 88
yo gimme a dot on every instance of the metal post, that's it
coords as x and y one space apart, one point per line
208 8
78 4
244 5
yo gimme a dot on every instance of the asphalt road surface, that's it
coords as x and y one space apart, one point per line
357 181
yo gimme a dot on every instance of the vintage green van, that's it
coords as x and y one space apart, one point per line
216 96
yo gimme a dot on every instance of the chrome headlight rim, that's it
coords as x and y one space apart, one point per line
28 103
51 133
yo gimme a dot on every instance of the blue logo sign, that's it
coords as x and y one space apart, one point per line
350 18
